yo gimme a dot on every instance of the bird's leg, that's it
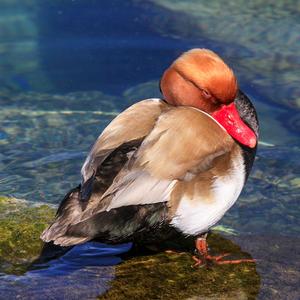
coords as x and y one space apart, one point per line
201 251
203 258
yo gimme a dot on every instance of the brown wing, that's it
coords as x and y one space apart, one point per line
183 140
113 147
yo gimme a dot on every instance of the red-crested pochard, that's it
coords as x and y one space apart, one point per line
178 162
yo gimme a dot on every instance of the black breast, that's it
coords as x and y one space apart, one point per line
249 116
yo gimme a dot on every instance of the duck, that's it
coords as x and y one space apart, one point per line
179 162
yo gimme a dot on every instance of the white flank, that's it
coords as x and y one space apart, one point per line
196 216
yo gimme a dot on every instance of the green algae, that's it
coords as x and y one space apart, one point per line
155 276
171 276
20 228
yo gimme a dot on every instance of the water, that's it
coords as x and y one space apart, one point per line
91 264
68 67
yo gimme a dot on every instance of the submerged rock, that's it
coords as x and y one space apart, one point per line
142 91
20 228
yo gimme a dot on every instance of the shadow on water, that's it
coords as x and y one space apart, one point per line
90 270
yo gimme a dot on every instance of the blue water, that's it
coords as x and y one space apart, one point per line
68 67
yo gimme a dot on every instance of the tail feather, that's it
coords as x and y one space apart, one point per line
68 212
122 224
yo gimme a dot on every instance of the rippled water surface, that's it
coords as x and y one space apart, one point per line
68 67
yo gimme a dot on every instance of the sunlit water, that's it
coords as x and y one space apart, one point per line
67 68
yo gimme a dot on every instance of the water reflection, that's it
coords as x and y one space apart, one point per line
84 272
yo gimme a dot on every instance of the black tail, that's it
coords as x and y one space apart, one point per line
120 224
68 213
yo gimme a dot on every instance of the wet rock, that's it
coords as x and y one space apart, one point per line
20 226
170 276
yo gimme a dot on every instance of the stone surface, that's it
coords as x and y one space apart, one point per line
171 276
20 226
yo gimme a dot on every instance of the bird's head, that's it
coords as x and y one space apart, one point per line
200 78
